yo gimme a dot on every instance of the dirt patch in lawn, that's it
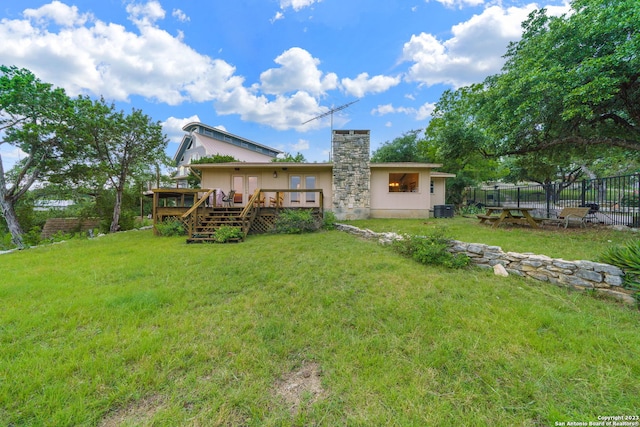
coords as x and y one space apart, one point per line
139 412
302 387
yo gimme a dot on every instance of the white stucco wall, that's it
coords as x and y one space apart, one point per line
223 178
385 204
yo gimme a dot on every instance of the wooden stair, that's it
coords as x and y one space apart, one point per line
207 225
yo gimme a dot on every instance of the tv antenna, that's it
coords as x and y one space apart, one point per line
330 113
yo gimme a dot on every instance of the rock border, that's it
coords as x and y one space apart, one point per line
581 275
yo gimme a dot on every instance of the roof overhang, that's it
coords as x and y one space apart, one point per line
405 165
262 165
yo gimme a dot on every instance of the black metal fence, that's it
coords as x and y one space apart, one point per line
614 200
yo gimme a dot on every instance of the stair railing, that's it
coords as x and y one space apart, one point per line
192 220
250 209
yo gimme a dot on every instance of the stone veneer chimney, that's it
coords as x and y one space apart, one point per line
351 174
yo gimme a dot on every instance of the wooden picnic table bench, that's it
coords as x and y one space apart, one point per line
509 215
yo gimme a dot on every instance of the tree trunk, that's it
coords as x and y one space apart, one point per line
10 217
117 207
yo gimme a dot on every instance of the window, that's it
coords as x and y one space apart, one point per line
310 182
294 182
238 186
302 182
403 182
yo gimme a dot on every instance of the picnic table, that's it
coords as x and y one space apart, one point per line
509 215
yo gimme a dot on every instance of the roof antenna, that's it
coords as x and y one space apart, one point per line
330 113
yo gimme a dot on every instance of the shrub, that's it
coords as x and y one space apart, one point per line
431 250
171 227
329 220
626 257
296 221
32 237
226 233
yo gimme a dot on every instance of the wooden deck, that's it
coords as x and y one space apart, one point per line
202 221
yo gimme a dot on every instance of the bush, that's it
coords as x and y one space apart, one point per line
226 233
329 220
171 227
296 221
431 250
626 257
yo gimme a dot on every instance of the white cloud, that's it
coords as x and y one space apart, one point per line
87 56
145 14
422 113
298 72
301 145
473 52
280 113
172 127
460 3
57 12
10 156
104 59
278 16
180 15
362 84
297 4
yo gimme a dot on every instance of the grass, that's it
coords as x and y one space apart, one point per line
573 243
131 329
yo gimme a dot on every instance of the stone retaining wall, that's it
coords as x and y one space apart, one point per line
579 275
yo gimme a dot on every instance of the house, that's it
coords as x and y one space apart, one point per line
203 140
352 187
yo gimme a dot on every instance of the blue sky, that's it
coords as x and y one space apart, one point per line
261 68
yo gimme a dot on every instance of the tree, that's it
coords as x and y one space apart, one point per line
288 158
195 175
454 139
122 146
567 97
571 81
401 149
33 118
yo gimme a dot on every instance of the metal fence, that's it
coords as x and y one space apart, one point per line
614 200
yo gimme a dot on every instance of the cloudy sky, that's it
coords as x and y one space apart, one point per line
260 69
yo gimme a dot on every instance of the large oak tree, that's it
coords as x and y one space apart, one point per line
34 119
570 85
120 147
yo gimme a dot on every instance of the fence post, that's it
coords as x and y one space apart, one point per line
547 193
584 191
518 196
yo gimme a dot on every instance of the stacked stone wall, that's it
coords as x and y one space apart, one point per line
580 275
351 174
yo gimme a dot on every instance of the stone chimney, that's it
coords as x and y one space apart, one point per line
351 174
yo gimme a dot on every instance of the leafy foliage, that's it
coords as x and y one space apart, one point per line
171 227
567 97
296 221
33 118
401 149
122 146
195 176
329 220
227 233
627 257
431 250
288 158
216 158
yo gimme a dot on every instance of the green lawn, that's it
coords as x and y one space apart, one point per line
557 242
319 329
